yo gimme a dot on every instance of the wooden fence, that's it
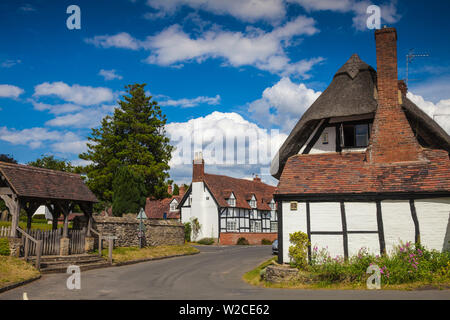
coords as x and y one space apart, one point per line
50 240
5 231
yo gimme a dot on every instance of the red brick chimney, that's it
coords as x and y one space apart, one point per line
392 138
169 189
182 191
256 178
198 167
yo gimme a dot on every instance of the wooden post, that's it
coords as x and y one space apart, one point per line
100 245
38 254
27 247
66 225
29 219
15 216
110 249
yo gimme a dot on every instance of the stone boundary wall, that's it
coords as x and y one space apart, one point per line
255 238
157 232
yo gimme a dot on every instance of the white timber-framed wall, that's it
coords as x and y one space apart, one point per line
345 226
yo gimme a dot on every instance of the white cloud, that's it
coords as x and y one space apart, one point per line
187 103
121 40
251 11
87 118
81 95
10 63
208 133
109 74
388 10
70 143
439 111
263 50
55 109
10 91
282 104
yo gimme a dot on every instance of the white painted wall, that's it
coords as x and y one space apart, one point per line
319 147
204 210
433 216
293 221
397 222
434 222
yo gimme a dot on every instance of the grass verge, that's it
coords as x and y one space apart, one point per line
124 254
253 277
34 225
13 270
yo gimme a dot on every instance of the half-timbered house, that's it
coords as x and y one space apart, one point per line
229 208
364 166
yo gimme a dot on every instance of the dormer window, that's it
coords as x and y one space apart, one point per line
173 205
272 205
355 135
232 200
252 202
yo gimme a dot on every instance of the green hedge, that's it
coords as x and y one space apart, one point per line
4 247
207 241
242 241
266 242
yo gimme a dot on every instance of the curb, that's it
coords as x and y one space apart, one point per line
18 284
119 264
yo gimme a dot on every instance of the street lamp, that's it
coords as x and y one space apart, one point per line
141 216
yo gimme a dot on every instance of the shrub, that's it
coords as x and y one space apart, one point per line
242 241
207 241
187 232
266 242
298 252
4 247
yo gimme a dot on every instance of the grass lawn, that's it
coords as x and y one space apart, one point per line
123 254
34 225
14 270
253 277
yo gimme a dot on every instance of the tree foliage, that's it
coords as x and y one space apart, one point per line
7 158
50 162
128 192
134 136
176 190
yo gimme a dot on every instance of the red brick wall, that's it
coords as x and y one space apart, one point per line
392 137
230 238
198 170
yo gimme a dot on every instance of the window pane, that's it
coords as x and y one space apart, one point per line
349 136
362 135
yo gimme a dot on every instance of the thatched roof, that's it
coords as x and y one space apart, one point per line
45 184
353 91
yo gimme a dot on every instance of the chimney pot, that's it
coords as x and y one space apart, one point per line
198 167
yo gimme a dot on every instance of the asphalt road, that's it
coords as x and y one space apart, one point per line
215 273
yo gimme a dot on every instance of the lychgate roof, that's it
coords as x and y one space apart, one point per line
32 182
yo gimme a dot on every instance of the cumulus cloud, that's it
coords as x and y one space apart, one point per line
440 111
109 74
187 103
283 104
81 95
10 91
254 47
251 11
231 145
389 12
86 118
55 108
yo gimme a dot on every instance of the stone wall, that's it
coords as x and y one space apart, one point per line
157 232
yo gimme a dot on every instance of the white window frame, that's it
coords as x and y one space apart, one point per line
172 204
232 200
252 203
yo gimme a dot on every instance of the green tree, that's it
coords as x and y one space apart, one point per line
7 158
134 136
176 190
50 162
128 192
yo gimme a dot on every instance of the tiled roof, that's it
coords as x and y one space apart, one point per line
28 181
349 173
155 209
222 186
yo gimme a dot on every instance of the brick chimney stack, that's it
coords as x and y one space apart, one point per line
392 138
182 191
198 167
256 178
169 189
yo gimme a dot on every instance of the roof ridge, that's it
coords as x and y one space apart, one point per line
241 179
31 168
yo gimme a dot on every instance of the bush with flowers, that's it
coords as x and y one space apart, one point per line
405 264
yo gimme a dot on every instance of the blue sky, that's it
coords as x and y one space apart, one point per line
222 65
